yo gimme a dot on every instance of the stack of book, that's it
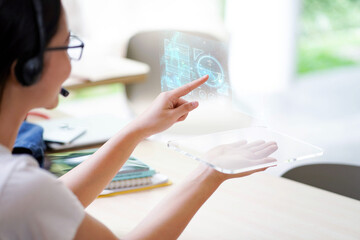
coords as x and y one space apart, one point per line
133 176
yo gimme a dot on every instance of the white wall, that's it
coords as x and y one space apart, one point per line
263 38
107 25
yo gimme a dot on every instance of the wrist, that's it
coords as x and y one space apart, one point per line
138 130
143 129
210 175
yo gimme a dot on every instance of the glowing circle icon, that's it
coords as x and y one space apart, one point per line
202 94
208 65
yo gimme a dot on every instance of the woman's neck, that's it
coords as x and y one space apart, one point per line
11 118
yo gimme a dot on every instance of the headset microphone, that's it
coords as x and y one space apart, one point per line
64 92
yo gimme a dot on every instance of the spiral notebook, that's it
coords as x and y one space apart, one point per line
134 185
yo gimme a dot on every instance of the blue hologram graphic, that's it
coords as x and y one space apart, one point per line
185 58
208 65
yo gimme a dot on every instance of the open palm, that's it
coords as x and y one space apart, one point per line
241 154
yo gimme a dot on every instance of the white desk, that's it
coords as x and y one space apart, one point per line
256 207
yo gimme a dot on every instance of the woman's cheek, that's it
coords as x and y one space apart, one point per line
67 66
53 104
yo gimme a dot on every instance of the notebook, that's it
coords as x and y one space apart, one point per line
134 185
133 176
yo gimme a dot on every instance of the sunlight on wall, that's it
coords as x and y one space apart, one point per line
262 50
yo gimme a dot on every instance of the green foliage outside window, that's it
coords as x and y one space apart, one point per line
330 35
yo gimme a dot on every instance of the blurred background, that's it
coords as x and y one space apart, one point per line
294 64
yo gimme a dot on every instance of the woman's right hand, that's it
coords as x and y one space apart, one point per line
167 109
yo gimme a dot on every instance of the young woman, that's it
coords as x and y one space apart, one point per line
34 64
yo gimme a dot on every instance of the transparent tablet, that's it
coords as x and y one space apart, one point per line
244 149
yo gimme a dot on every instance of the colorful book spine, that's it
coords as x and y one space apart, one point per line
132 175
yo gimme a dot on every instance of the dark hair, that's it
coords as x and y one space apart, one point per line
19 34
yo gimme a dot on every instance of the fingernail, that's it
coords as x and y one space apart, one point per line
194 104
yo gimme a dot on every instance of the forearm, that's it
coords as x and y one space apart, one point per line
89 178
170 217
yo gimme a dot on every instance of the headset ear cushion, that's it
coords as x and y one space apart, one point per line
28 71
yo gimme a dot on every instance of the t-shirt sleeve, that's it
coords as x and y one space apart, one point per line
39 206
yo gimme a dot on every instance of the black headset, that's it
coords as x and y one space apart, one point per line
28 70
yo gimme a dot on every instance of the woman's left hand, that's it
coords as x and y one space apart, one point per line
167 109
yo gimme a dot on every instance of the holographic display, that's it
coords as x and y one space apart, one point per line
186 58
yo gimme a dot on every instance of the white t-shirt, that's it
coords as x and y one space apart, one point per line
33 203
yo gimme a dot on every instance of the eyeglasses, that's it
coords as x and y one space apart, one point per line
74 49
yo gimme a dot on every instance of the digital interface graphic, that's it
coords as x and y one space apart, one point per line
186 58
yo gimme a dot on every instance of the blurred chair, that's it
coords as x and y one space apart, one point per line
338 178
145 47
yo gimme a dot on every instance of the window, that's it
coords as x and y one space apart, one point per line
330 35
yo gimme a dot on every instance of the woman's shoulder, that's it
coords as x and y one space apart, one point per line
23 181
22 178
32 196
13 165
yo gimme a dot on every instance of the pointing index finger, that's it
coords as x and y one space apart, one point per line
183 90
